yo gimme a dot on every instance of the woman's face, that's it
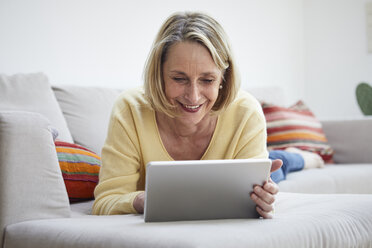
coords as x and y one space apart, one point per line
192 80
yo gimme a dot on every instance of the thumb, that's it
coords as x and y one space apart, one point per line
276 164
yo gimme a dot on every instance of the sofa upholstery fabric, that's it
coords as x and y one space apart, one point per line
87 111
301 220
351 140
332 179
32 92
30 178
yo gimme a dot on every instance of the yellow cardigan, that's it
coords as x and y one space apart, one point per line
133 140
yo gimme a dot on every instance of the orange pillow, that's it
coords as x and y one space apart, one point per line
80 168
295 126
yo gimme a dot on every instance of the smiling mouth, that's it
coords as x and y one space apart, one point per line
191 108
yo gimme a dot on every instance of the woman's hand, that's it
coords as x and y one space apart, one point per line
139 202
264 196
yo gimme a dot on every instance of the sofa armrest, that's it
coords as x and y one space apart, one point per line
351 139
31 183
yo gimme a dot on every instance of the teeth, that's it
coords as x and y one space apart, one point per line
192 107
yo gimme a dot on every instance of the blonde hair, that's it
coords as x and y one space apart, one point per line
196 27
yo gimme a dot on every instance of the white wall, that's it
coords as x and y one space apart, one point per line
106 42
336 57
315 49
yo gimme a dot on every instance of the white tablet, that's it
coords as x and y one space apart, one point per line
203 189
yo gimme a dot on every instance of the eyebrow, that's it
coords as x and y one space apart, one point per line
203 74
179 72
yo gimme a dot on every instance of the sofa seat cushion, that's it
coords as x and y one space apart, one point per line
301 220
332 179
81 208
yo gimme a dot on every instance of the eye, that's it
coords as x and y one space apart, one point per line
207 81
179 79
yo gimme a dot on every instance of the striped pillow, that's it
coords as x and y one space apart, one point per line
295 126
80 168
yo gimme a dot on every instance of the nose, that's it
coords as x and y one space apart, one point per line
193 93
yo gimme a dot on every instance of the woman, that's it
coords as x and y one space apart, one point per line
190 109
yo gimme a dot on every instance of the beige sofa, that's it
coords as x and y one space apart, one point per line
328 207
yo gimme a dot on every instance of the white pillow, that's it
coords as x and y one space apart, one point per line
33 93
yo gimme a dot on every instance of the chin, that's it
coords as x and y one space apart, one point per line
190 119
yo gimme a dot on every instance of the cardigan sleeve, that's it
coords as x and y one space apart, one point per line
121 167
253 134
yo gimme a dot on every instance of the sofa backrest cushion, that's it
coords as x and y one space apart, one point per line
32 92
351 139
87 111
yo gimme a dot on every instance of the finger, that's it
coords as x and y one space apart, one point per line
265 215
271 187
139 203
267 197
276 164
262 203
